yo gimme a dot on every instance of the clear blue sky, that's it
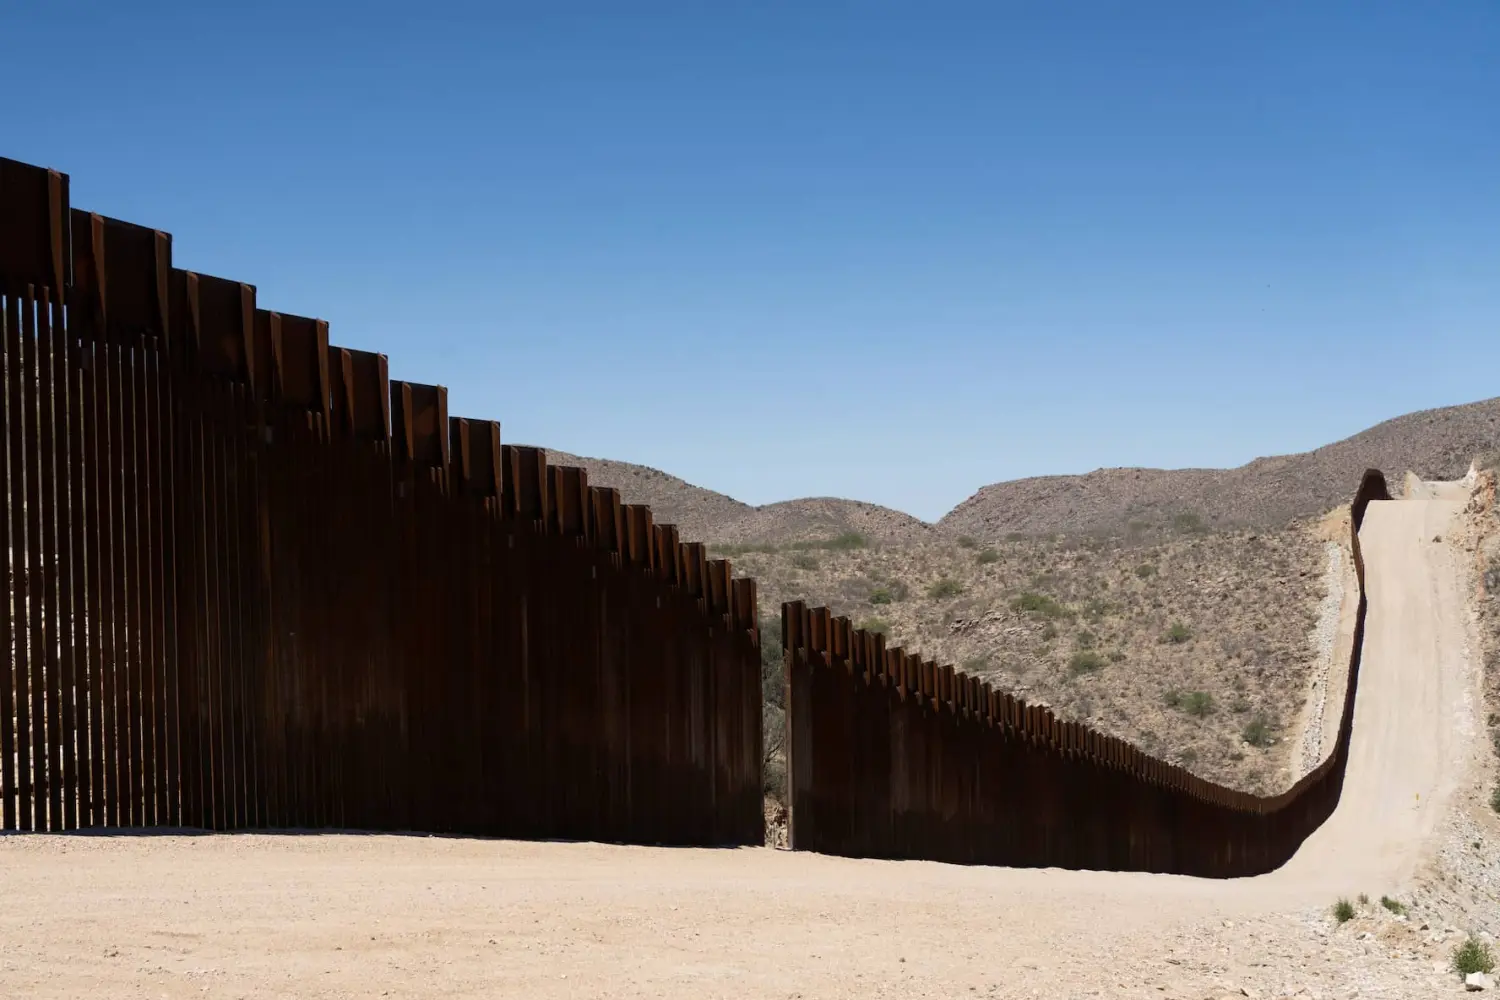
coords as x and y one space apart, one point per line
891 252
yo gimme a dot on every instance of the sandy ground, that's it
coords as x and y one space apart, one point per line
357 916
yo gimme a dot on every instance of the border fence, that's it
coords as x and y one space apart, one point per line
253 583
893 756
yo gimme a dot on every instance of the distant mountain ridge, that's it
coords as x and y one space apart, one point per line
1268 492
1435 444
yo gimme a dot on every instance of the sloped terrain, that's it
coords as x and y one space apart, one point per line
1197 649
1435 444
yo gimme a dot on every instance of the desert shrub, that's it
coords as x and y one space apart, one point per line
1145 571
1188 523
986 557
1179 633
1239 706
879 625
1495 799
1085 639
804 561
880 595
976 664
1085 661
1198 704
1473 956
1172 699
1116 655
945 588
846 542
967 542
1343 911
1257 732
772 682
743 549
1049 633
1015 536
1038 604
1393 905
1364 899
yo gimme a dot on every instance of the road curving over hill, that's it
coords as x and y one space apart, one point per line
326 916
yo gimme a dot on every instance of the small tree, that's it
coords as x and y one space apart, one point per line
945 588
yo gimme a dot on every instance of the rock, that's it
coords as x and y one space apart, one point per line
1476 981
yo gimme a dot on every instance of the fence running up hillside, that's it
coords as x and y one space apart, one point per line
255 584
891 756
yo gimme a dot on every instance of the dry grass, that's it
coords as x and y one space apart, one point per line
1196 649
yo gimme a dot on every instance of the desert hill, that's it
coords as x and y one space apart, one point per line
1151 503
705 516
1268 492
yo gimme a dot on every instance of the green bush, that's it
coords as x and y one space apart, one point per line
1116 655
1343 911
1257 732
804 561
1473 956
1495 799
967 542
945 588
743 549
879 625
1049 633
1392 905
772 681
880 595
846 542
1188 523
1145 571
1085 662
986 557
1039 604
1085 639
1198 704
1179 633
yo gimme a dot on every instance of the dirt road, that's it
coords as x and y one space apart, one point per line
347 916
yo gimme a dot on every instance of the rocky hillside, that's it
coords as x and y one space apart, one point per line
1117 597
705 516
1155 643
1146 505
1435 444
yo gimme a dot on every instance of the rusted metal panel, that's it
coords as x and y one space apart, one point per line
12 493
288 592
35 235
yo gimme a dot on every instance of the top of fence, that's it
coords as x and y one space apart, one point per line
120 285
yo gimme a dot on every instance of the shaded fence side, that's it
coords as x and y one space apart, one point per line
893 756
255 583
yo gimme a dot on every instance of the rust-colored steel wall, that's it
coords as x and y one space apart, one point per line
255 583
889 756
